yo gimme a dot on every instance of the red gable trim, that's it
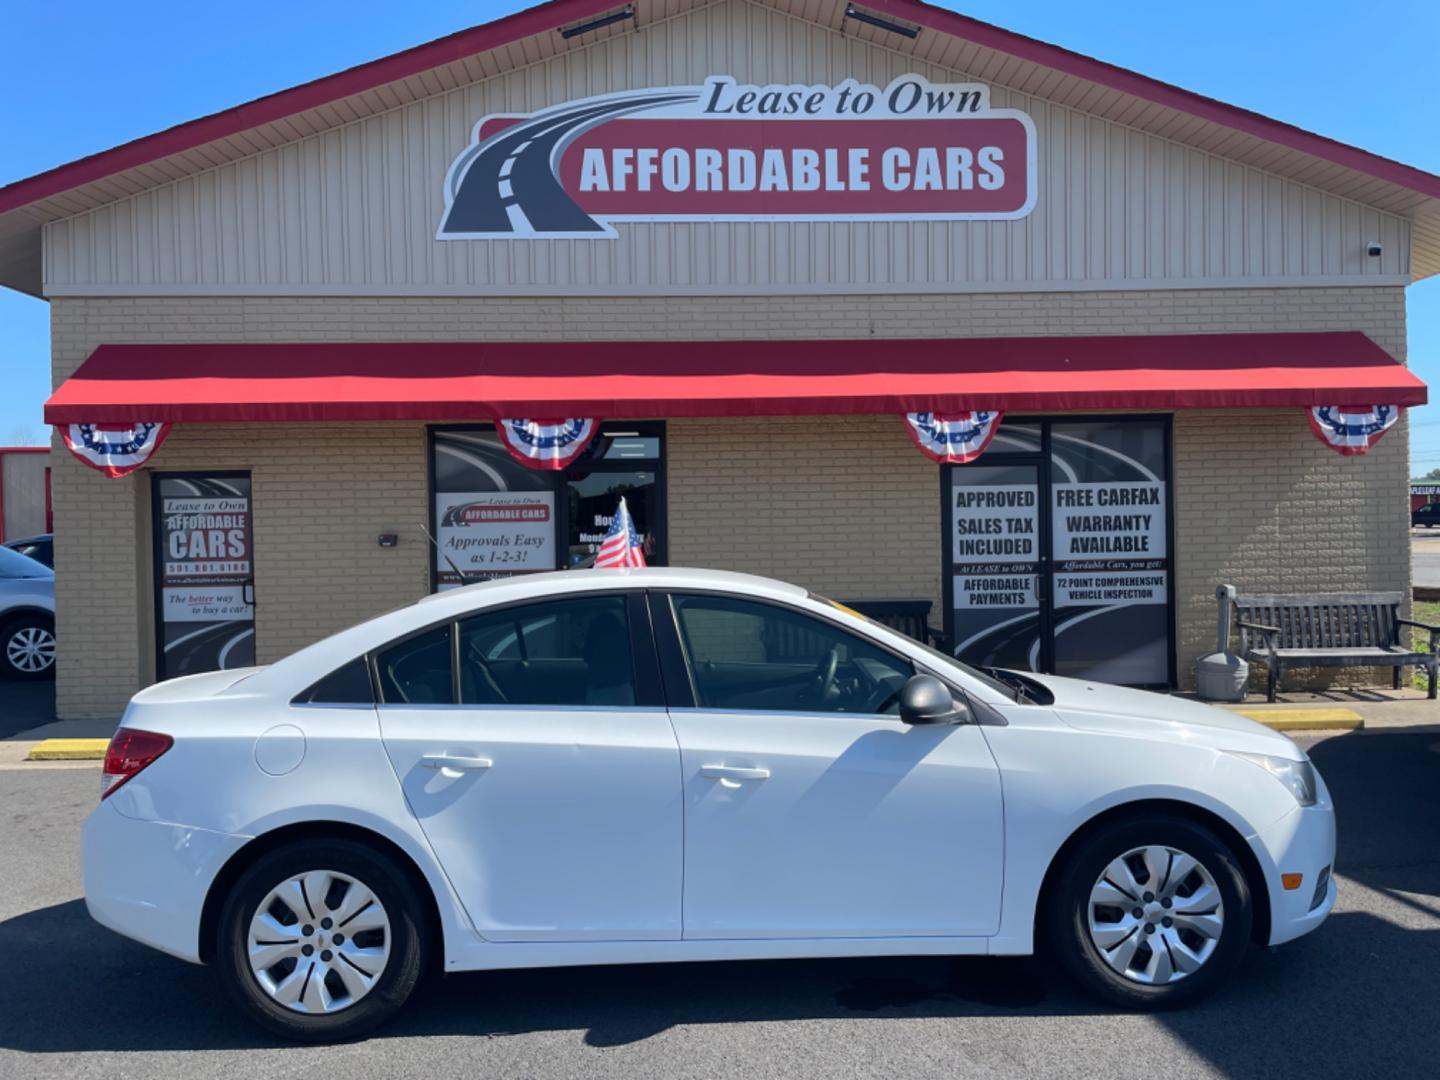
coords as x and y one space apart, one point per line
298 99
1161 93
551 16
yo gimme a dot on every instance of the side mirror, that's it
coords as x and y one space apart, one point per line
924 699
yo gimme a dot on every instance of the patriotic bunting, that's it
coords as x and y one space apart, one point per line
114 449
1351 429
546 444
622 545
952 439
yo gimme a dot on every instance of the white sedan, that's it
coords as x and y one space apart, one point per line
607 767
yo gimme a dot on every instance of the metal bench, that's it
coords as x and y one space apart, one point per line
910 617
1329 630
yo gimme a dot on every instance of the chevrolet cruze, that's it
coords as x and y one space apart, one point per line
602 767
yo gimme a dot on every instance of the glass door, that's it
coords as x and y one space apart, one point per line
1110 532
1058 543
204 572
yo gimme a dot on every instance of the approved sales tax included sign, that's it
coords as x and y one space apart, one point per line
912 151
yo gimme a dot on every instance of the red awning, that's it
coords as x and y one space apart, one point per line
615 379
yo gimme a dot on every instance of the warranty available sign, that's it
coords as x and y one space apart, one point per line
913 151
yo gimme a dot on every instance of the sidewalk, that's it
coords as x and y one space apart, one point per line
16 748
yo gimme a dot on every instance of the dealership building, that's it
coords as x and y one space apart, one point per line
872 297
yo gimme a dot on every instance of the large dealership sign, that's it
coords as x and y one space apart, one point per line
722 151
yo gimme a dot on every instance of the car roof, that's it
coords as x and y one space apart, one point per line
650 577
38 538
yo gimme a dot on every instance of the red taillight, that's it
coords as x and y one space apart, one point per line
130 750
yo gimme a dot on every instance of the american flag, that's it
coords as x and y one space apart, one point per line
621 546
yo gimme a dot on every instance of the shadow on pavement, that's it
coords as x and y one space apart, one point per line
1386 787
1352 996
25 705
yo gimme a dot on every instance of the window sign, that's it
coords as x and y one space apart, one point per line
997 533
204 575
482 533
493 516
1109 543
995 542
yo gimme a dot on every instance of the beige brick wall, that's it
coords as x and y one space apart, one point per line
1258 500
852 512
1260 504
321 494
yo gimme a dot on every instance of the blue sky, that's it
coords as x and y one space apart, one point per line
97 74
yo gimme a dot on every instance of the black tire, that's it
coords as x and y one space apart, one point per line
1068 927
407 939
29 623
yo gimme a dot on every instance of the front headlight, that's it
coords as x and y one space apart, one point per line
1297 776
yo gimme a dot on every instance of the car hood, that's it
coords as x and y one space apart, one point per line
1095 706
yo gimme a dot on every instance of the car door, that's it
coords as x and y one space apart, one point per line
810 809
534 748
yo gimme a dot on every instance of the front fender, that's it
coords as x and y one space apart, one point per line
1057 780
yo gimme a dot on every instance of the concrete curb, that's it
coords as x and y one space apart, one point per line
1293 719
68 750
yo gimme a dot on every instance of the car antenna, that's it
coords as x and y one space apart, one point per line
464 580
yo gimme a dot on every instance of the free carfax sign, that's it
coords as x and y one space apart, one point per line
913 151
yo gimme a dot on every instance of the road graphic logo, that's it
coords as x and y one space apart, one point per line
722 151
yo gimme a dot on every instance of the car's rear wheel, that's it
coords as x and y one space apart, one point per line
1151 913
27 647
321 940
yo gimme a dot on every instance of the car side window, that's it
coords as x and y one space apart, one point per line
348 684
416 669
573 651
756 656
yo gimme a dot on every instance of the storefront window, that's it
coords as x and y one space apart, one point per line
204 574
494 517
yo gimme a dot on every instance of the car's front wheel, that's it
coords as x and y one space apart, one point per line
321 940
1151 913
27 647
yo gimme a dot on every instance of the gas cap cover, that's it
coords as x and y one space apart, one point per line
280 750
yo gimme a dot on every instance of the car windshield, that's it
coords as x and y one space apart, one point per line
993 683
15 565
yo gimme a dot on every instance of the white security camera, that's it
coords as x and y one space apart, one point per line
1374 249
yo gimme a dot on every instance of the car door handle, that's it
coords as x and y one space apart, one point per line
455 761
733 772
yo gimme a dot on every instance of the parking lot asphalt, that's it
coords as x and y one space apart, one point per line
1360 997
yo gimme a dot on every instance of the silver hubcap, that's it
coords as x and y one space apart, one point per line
1156 915
31 649
319 942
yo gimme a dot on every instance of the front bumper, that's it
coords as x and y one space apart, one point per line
1302 842
148 880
